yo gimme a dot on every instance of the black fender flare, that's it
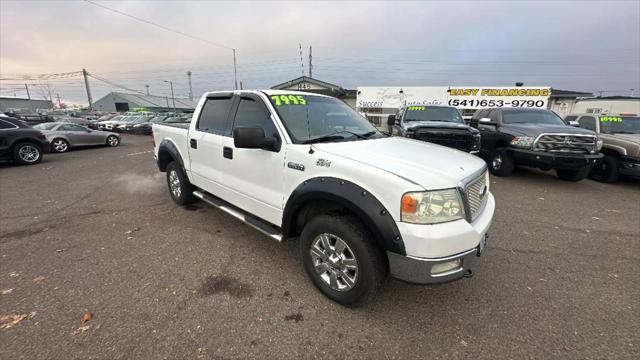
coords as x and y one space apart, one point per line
168 151
353 197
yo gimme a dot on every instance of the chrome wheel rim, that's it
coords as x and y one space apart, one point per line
113 141
497 161
334 262
60 145
174 184
29 154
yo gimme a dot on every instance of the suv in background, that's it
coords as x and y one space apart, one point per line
440 125
536 138
621 144
21 143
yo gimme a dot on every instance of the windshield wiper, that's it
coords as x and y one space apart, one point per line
323 138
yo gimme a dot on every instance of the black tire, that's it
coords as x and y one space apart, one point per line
501 163
112 141
573 175
59 145
371 266
181 191
607 171
21 150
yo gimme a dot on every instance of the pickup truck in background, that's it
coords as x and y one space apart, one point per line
535 138
304 166
442 125
620 136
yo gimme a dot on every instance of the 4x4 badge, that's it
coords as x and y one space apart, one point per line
323 162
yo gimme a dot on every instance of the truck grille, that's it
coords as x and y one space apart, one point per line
461 140
476 193
580 144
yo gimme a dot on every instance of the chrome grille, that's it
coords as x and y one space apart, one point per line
580 144
476 193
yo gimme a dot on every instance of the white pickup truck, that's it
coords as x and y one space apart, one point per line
304 166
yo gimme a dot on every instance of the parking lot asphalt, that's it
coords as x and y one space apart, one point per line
96 231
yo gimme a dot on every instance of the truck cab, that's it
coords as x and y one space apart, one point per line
442 125
307 167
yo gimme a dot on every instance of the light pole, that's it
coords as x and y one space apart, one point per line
173 99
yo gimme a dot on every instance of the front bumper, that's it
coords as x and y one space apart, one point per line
546 160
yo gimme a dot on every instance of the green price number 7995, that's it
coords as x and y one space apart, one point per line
289 100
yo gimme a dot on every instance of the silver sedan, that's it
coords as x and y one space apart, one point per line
64 136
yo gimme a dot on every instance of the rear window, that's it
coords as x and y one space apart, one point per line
45 126
430 113
6 125
213 117
620 124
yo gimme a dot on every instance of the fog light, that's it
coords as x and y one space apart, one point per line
446 267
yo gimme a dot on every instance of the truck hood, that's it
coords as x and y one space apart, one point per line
428 165
436 124
537 129
632 138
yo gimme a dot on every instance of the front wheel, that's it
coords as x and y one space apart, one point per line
180 188
27 154
113 141
607 171
341 260
501 163
59 145
573 175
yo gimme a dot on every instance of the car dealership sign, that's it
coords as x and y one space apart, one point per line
459 97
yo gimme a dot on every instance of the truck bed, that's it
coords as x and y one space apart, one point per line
177 133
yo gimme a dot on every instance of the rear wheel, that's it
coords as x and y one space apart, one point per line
27 153
59 145
180 188
573 175
113 141
501 163
341 260
607 171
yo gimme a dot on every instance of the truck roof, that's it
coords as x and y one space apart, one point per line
268 92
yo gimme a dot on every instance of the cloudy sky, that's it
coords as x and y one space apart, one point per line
577 45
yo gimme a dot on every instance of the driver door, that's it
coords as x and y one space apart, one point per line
254 177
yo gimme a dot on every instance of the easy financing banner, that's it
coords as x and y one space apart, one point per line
458 97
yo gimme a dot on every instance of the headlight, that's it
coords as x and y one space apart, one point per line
431 207
522 141
599 144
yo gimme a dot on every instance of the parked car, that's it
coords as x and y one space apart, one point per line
144 128
536 138
620 135
440 125
361 203
29 118
108 124
20 143
64 136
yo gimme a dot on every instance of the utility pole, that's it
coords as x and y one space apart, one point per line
59 103
28 96
173 98
235 70
147 86
310 63
86 84
633 91
600 93
190 88
241 86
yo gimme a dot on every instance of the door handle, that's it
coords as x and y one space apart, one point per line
193 143
227 152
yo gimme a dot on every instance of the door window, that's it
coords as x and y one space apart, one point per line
70 127
252 113
6 125
588 122
213 117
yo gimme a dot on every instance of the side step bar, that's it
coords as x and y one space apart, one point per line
256 223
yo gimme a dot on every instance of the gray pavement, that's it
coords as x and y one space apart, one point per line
95 230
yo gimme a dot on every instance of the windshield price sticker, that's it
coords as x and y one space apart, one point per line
416 108
280 100
610 119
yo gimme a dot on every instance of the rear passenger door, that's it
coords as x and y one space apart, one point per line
205 142
254 177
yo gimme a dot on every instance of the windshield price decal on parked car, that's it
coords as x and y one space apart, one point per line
289 100
610 119
416 108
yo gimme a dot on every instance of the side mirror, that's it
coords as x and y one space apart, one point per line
391 120
253 138
574 123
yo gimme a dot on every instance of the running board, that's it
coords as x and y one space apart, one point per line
256 223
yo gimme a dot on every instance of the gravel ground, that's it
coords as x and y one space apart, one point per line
95 231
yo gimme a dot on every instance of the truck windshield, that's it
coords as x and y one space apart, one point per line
620 124
524 116
430 113
310 118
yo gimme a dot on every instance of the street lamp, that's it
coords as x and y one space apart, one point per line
173 99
